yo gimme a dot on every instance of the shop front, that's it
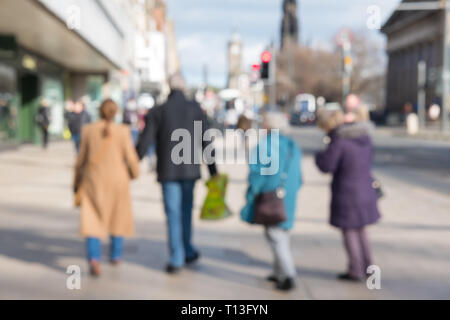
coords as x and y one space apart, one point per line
26 79
8 104
41 58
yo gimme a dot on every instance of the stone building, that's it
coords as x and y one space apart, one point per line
234 61
289 24
156 53
413 36
289 38
61 49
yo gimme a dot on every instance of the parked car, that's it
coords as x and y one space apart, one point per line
304 112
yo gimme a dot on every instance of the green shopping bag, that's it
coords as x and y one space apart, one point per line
214 207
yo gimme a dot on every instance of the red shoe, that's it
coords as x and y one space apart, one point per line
94 268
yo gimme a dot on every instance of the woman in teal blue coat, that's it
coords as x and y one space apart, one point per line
276 156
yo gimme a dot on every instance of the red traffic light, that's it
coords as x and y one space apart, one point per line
256 67
266 57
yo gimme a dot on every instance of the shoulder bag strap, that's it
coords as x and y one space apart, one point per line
284 174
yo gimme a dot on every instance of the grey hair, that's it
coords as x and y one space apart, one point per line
275 120
176 81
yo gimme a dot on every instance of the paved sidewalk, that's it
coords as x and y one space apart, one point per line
435 135
39 240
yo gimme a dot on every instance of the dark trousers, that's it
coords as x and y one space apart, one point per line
44 138
358 251
76 138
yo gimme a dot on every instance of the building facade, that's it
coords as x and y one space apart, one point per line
289 24
234 55
156 53
413 36
66 49
289 38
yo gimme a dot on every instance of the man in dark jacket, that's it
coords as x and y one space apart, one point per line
177 169
76 120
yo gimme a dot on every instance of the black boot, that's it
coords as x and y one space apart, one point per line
193 259
349 277
286 285
170 269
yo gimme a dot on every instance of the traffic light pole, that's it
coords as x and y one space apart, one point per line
273 77
291 66
346 71
268 74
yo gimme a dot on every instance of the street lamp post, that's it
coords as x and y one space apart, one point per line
346 70
446 67
421 94
344 41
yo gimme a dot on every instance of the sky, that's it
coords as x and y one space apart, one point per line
203 28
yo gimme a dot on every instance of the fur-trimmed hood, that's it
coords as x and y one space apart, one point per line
355 130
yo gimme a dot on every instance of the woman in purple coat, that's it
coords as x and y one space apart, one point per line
354 200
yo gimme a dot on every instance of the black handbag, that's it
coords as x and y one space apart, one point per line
376 185
269 208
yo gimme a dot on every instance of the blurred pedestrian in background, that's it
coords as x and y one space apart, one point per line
131 118
43 119
142 117
352 103
349 158
77 119
69 107
287 180
4 115
231 118
177 180
244 124
106 163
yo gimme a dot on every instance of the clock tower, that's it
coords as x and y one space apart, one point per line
234 61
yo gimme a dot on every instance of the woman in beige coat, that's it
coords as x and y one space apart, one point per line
106 164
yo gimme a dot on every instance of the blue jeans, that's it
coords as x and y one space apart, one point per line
151 150
94 248
76 138
178 200
134 135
